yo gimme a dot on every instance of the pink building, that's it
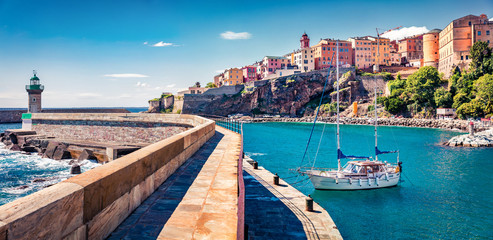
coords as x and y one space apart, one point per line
271 63
249 73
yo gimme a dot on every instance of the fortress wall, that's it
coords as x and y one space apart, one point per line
132 128
15 116
92 204
11 116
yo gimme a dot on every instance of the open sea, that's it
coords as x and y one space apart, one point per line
22 174
447 192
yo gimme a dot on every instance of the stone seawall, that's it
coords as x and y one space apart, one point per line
108 131
15 116
11 116
403 122
91 205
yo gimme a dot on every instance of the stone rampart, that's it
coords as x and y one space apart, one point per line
14 116
228 90
11 116
91 205
110 128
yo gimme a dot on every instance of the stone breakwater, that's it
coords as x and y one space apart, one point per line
481 139
460 125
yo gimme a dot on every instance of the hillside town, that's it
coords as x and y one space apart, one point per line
443 49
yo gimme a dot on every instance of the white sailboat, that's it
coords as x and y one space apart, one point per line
365 173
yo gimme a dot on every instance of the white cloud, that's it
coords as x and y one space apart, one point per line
405 32
142 84
126 75
171 85
163 44
145 43
228 35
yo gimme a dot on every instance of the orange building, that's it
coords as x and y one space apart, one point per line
411 50
362 52
430 48
325 50
456 39
233 76
365 51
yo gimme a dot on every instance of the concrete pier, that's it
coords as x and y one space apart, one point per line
316 224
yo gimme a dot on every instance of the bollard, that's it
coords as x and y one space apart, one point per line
75 169
255 165
471 128
276 179
309 203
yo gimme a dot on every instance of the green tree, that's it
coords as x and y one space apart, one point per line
210 85
460 98
443 98
197 84
473 109
422 85
481 59
484 91
394 105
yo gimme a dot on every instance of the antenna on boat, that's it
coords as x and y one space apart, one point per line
375 76
338 141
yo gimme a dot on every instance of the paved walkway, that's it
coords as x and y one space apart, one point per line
266 216
278 212
147 221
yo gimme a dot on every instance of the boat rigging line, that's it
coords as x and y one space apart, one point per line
318 109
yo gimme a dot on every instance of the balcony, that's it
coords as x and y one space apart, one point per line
35 87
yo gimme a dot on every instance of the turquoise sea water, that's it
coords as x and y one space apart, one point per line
447 192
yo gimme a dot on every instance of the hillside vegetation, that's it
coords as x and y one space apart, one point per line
470 92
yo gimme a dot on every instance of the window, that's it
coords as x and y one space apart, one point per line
34 99
469 23
467 57
487 32
479 33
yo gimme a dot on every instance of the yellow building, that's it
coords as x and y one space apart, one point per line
233 76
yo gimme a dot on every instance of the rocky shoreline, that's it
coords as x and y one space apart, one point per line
457 125
480 139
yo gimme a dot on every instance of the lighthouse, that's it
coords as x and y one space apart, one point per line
34 90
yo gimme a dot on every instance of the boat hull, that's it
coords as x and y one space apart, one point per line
332 183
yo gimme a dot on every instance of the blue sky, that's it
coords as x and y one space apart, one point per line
102 53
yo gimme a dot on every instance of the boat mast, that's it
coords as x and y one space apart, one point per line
376 115
338 141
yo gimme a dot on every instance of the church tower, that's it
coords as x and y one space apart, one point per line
305 41
34 90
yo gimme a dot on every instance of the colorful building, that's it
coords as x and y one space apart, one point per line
366 50
325 50
456 39
430 48
233 76
271 63
219 80
395 56
362 53
411 50
249 73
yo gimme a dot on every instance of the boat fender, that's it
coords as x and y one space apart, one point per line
369 182
337 179
376 181
359 181
350 181
387 176
397 169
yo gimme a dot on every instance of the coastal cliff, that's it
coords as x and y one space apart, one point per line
295 95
